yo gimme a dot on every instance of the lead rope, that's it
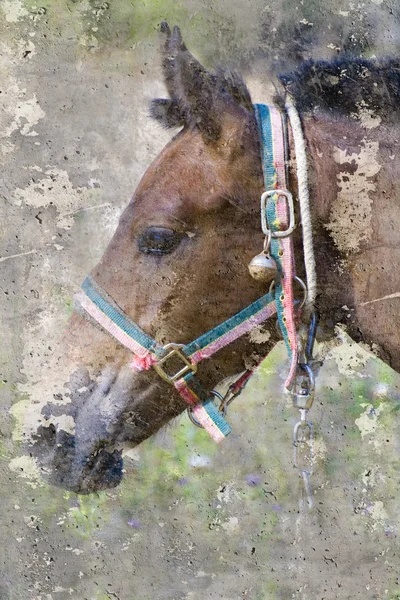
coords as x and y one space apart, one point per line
304 201
304 388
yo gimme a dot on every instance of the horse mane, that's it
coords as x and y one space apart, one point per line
346 85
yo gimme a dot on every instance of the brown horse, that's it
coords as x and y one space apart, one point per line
177 264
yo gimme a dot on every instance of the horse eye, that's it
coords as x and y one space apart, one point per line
159 240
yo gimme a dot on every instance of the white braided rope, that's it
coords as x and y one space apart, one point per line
304 200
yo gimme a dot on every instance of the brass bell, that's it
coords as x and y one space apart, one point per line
262 267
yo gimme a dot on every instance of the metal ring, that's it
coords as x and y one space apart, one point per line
217 394
305 291
192 418
189 409
303 425
267 243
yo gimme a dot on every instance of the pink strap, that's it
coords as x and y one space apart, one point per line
143 363
235 333
286 243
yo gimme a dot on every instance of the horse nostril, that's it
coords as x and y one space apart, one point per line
101 470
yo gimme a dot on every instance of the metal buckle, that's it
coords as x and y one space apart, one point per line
264 224
175 350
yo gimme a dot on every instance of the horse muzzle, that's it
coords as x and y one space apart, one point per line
88 458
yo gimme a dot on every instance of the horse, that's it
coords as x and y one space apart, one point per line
177 264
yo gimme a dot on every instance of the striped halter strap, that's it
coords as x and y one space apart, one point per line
277 216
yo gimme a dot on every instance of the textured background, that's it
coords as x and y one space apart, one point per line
191 520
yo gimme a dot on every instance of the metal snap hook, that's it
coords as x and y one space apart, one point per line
312 331
298 439
307 489
226 400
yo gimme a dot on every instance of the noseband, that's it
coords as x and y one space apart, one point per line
277 216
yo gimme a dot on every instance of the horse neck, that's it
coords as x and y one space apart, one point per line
353 178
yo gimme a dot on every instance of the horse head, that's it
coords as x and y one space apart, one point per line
176 265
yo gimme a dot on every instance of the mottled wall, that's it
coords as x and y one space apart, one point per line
191 520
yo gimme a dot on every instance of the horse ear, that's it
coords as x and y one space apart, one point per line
191 85
236 87
168 112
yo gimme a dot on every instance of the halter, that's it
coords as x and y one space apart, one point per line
277 216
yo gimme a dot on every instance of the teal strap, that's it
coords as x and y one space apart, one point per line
264 122
195 394
263 118
111 309
225 328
